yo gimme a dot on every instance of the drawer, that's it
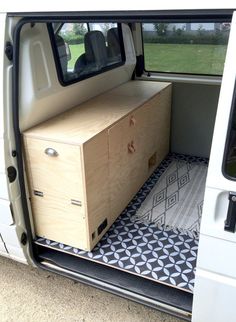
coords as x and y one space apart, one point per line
125 161
59 175
147 130
58 220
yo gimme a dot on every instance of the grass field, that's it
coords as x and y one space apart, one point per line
76 51
199 59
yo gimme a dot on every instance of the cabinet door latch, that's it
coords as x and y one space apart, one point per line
230 222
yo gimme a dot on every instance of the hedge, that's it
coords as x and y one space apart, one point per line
213 39
73 39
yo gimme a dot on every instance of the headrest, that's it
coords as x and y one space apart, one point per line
113 42
95 48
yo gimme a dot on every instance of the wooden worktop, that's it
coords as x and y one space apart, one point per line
83 122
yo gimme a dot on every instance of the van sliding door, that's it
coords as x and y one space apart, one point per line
215 285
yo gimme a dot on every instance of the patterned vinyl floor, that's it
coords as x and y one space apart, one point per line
161 254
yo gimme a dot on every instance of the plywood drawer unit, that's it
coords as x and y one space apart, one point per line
85 165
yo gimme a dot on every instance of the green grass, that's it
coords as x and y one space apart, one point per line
76 51
196 59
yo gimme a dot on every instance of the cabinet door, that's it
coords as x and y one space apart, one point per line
146 130
155 130
123 152
58 175
59 220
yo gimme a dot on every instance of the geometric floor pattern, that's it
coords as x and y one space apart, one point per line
161 254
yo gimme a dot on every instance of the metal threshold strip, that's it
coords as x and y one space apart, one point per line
94 281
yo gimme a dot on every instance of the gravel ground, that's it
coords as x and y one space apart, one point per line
28 294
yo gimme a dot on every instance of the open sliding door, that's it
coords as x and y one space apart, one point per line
215 285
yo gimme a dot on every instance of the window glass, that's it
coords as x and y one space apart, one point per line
229 166
192 48
85 49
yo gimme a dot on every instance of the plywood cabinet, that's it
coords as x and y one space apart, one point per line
85 165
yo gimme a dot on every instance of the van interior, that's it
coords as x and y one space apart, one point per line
150 248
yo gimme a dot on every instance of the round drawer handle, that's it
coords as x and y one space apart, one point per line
131 148
51 152
132 121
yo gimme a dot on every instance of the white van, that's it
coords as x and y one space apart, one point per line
117 149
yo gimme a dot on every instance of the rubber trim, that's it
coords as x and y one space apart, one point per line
227 141
130 16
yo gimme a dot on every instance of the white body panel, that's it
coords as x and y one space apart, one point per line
216 298
9 242
215 285
36 98
104 5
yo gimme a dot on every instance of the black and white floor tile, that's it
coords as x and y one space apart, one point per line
161 254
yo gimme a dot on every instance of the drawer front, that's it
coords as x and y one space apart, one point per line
125 156
58 220
153 133
147 131
58 175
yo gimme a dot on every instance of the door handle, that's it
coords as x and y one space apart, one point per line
51 152
230 222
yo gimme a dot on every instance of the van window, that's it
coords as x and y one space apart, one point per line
86 49
229 165
189 48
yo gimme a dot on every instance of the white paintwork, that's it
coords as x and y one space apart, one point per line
5 213
13 246
3 187
2 35
2 157
44 97
9 242
215 205
214 298
3 250
215 284
218 255
104 5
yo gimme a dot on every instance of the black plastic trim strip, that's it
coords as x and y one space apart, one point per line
130 16
227 141
152 292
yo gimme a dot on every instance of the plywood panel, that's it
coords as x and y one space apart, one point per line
83 122
121 162
149 135
59 220
95 157
107 148
58 176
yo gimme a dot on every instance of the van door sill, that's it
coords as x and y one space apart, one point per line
155 295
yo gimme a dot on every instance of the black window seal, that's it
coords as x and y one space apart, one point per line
131 15
200 20
88 75
227 141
